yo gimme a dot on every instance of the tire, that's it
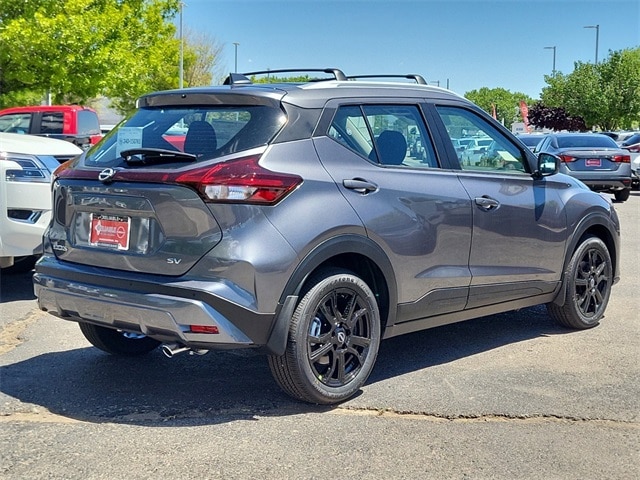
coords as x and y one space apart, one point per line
622 195
116 342
333 340
589 279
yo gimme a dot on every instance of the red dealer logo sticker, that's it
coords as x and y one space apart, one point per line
110 231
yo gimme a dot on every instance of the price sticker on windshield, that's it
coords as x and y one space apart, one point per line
128 138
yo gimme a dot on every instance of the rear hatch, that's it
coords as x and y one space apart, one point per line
138 201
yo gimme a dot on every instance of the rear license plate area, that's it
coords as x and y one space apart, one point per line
593 162
110 231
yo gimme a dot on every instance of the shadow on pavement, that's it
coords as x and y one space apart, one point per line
16 286
86 384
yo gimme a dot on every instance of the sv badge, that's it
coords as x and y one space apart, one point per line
174 261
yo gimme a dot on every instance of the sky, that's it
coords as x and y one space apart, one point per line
462 44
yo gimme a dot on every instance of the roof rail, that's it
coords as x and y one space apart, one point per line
243 78
419 79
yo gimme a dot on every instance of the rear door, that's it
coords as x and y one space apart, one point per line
418 212
519 224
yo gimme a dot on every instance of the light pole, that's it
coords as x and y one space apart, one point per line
553 72
597 27
235 44
181 74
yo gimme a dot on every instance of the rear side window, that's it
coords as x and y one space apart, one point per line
15 123
393 135
52 123
207 132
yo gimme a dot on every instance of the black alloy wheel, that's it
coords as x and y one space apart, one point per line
333 340
588 287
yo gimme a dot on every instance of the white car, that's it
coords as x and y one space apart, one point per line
26 165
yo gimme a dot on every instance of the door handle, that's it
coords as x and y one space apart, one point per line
487 203
359 185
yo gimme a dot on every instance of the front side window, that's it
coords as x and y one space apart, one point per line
15 123
204 133
478 145
393 135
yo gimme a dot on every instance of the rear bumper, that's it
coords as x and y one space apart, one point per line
164 311
606 184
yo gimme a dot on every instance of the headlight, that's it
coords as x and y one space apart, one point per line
32 168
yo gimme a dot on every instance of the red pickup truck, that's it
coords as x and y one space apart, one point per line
76 124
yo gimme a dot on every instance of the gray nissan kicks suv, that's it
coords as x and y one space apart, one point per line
293 219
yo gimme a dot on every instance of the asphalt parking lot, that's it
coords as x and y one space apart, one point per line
509 396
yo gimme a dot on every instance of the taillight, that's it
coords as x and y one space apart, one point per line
58 172
567 158
621 158
238 181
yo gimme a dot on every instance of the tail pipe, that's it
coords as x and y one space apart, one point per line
172 349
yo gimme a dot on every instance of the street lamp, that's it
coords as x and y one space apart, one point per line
553 72
181 74
597 27
235 44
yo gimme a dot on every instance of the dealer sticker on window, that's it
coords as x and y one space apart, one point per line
110 231
128 138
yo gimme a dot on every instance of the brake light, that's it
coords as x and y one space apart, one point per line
567 158
239 181
621 158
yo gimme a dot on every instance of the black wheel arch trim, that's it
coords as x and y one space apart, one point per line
325 251
600 220
342 244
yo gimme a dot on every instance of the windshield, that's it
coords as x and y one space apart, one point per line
202 132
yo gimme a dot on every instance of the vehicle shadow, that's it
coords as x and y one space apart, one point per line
86 384
16 286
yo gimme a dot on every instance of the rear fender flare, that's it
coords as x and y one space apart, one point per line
343 244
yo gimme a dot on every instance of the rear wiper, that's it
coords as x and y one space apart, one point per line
146 156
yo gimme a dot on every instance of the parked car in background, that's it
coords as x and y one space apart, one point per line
619 137
293 219
531 140
632 143
635 170
474 150
26 165
73 123
592 158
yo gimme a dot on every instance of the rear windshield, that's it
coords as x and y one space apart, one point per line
530 141
207 132
587 141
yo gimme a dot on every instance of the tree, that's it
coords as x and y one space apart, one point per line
554 118
201 52
506 103
606 95
76 50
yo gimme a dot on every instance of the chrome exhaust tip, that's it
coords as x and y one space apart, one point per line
172 349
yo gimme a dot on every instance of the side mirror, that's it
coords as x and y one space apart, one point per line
548 164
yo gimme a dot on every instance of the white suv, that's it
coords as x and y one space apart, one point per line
26 165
